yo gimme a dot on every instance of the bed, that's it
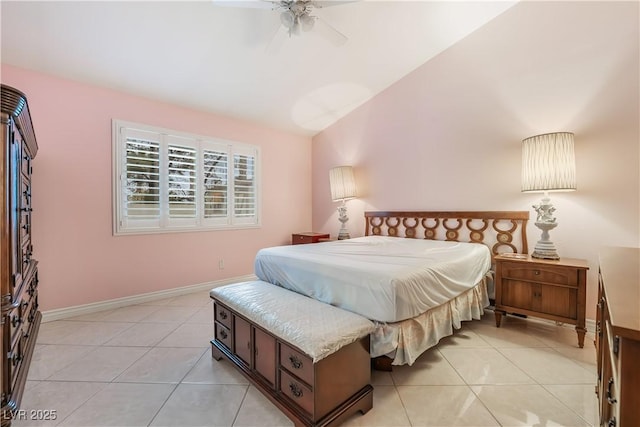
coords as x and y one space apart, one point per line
417 275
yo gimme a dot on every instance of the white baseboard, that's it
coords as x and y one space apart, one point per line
78 310
589 324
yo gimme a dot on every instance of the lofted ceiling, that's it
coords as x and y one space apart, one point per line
222 59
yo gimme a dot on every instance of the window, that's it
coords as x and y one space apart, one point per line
169 181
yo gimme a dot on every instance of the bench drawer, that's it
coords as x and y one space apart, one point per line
297 363
223 315
223 334
297 391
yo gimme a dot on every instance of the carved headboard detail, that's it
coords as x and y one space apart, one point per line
501 231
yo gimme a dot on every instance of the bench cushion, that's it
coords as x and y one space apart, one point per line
316 328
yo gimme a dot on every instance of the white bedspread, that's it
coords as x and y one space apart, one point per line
382 278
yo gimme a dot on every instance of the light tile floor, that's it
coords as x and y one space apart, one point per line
151 365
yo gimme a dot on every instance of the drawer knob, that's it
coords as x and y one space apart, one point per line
610 399
612 422
223 334
295 362
223 314
296 391
536 272
15 321
15 358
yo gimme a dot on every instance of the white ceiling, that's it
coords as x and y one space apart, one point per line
208 57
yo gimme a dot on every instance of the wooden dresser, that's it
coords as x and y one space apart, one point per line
618 337
20 318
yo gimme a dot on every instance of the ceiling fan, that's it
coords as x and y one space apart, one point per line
296 16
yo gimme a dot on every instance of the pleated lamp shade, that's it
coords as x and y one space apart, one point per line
548 163
342 182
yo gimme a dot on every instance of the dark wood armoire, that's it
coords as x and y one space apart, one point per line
18 269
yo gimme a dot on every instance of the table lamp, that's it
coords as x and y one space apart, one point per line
548 164
343 188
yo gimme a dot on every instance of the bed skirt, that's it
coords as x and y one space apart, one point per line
406 340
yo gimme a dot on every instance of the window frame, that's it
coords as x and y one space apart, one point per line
122 131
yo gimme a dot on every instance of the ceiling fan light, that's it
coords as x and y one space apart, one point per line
307 22
287 19
298 7
295 29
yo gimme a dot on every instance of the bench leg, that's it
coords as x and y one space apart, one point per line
366 403
215 353
361 402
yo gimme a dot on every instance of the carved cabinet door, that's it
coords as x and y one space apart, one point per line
265 355
242 333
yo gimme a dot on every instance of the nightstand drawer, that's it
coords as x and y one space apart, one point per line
546 273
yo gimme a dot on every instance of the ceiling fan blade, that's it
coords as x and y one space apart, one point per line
327 3
329 32
249 4
277 41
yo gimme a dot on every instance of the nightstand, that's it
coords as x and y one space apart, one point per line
301 238
549 289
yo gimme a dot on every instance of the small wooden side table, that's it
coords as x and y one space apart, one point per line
549 289
309 237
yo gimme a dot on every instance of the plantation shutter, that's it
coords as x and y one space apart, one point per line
165 180
215 176
181 181
245 203
140 179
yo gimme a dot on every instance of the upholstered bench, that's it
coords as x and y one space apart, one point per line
309 358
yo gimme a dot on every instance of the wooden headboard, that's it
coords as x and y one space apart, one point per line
501 231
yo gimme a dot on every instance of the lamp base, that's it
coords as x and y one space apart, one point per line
343 234
545 249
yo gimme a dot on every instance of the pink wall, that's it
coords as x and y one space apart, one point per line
80 260
447 136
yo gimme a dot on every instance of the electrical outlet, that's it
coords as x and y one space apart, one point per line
221 264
